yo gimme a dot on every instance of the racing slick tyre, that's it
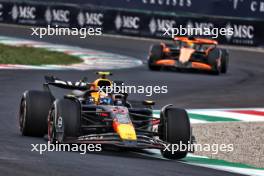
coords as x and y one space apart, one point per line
64 120
156 53
224 61
33 113
214 59
175 129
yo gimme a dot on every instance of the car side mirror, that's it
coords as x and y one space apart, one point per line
148 103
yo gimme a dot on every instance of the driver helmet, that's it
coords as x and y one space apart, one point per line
190 44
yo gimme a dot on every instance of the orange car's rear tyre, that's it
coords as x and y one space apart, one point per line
224 61
156 53
214 59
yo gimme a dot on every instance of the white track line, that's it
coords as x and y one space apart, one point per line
245 171
225 114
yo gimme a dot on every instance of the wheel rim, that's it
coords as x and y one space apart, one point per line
51 129
22 116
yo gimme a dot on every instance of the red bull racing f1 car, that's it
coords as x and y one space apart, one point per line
88 115
189 52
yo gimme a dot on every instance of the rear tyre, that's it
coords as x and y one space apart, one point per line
175 129
224 61
64 120
34 109
214 59
156 53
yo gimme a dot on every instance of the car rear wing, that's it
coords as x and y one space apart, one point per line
56 82
196 40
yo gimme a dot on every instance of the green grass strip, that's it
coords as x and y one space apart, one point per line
211 118
34 56
206 117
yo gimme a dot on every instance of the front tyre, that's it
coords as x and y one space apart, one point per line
175 129
33 113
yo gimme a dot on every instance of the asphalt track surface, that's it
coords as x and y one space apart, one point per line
241 87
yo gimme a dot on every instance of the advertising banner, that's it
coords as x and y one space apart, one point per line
230 8
123 22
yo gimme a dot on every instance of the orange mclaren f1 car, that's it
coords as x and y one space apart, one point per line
189 52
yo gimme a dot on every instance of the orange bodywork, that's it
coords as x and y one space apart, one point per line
186 54
165 48
167 62
125 131
197 40
199 65
195 65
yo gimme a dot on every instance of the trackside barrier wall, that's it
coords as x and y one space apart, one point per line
126 22
229 8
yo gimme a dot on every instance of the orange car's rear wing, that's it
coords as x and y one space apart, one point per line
196 40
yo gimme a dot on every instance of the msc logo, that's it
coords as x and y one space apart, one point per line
1 7
241 31
90 19
130 22
58 15
160 24
199 25
25 12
